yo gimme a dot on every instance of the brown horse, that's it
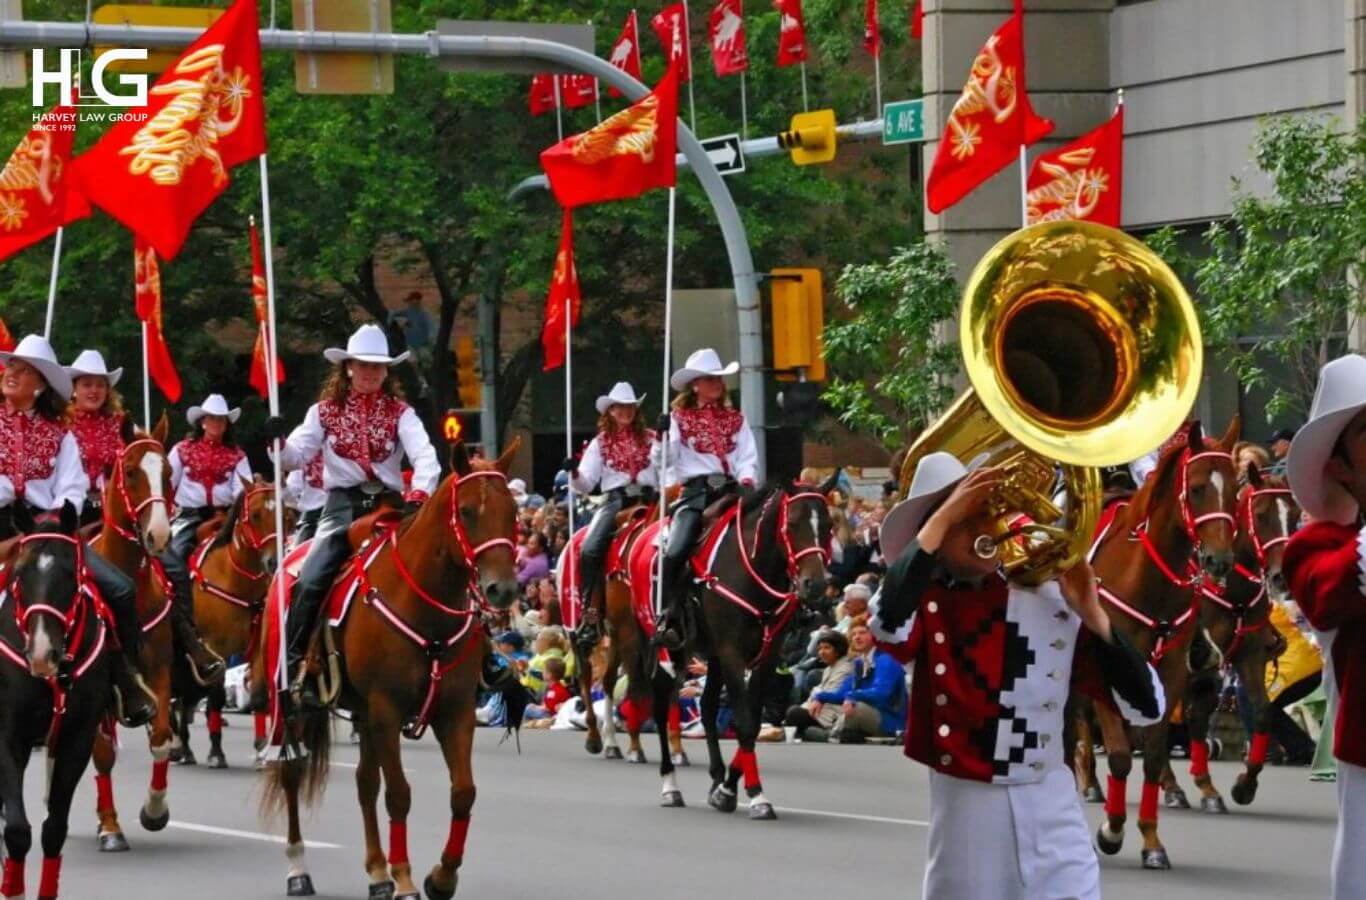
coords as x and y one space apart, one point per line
1235 621
1177 533
136 526
409 654
230 573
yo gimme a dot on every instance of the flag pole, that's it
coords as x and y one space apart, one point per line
559 117
744 109
273 397
687 48
597 107
569 436
877 81
146 384
635 30
806 103
52 285
664 438
1024 186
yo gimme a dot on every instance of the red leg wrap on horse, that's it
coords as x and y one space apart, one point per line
675 717
1114 796
104 793
260 724
1199 758
455 841
398 843
1256 752
52 870
634 715
1147 804
159 770
748 764
13 884
215 720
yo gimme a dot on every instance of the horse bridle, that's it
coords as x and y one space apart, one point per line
1193 522
1247 509
121 488
72 619
473 551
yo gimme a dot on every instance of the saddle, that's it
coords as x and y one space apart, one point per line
383 516
209 527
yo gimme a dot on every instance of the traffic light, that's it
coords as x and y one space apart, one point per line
799 402
812 137
798 320
451 426
467 373
461 425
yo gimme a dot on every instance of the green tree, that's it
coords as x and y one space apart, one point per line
1282 279
892 368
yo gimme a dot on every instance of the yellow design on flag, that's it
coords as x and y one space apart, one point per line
32 166
1073 192
991 88
633 131
12 212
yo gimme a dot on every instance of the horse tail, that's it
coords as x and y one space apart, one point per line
302 770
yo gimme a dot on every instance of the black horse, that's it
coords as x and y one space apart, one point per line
54 684
757 563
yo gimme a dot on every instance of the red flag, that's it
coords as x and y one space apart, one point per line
990 121
563 297
260 378
6 341
578 90
917 20
624 156
872 37
160 168
626 51
791 32
1081 180
542 97
147 291
34 199
671 26
727 32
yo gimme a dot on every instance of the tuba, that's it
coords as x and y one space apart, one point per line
1083 350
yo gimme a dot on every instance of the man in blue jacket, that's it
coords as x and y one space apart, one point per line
873 700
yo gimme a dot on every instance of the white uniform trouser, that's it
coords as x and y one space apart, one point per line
1349 860
1009 842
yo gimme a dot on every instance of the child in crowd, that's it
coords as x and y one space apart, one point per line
556 693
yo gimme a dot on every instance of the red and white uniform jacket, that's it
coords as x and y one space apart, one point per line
711 440
616 460
993 668
100 439
365 439
40 463
207 473
304 487
1325 566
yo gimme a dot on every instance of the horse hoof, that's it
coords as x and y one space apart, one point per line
762 811
153 823
672 800
1244 790
612 752
414 895
216 761
435 893
112 842
184 757
1177 799
722 800
299 886
1156 859
1107 844
1213 805
1093 794
593 745
636 756
382 891
680 760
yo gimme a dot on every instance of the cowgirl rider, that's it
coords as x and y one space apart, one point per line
363 431
711 449
98 422
304 490
40 466
617 461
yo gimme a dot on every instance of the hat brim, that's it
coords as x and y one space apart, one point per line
1309 453
606 401
685 376
338 355
903 522
53 373
198 412
111 377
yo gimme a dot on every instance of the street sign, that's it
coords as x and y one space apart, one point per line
903 122
343 73
581 37
13 71
726 153
158 16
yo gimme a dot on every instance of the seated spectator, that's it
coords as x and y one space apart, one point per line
855 605
873 699
532 561
814 719
1246 454
556 692
511 644
551 643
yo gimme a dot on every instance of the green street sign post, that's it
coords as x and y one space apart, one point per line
903 122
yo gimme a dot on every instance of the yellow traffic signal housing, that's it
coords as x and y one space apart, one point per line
451 426
812 137
798 320
466 373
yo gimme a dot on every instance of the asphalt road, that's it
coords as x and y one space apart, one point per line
554 822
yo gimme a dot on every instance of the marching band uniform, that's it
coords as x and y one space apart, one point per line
993 667
99 435
619 462
710 449
304 488
1325 566
362 440
40 465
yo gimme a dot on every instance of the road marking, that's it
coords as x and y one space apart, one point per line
859 816
247 835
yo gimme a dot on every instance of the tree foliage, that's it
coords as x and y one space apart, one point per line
1284 277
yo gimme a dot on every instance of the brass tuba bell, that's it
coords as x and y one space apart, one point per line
1083 350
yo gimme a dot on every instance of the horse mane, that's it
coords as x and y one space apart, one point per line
224 535
761 496
1140 508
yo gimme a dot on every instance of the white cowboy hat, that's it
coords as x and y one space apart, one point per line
368 344
935 476
1341 394
214 405
91 362
702 363
37 352
621 393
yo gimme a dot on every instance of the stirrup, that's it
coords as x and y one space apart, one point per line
212 673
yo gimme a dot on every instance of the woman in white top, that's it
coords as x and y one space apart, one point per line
304 491
617 461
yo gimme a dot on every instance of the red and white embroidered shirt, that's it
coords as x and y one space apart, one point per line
711 440
100 438
207 473
615 460
40 462
365 439
304 487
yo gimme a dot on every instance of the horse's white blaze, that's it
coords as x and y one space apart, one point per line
1216 478
298 864
1283 507
45 562
40 648
158 525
